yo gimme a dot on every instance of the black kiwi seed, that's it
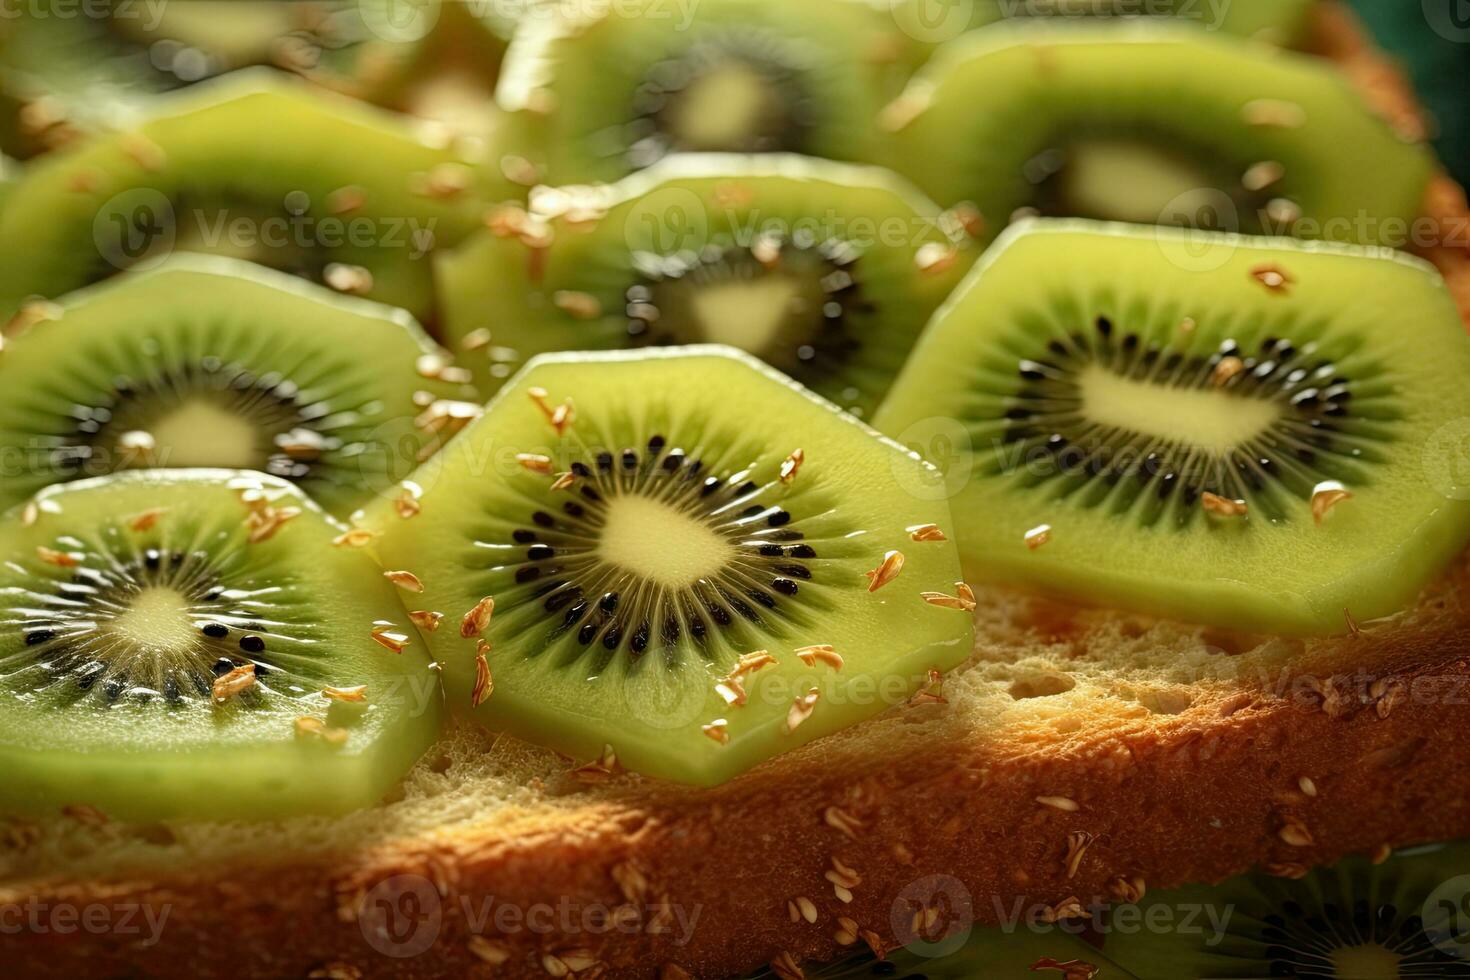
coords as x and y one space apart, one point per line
252 644
594 603
216 631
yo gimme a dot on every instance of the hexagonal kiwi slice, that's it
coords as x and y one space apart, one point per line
682 555
1255 433
192 645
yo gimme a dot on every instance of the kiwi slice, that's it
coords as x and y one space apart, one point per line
826 271
1353 921
1169 421
690 559
209 362
339 192
609 93
1279 22
191 644
1155 124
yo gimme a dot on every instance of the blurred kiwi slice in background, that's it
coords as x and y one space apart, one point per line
192 645
603 93
339 193
1155 123
210 362
826 271
96 66
1259 434
679 554
1280 22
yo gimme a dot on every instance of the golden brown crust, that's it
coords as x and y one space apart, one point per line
1194 796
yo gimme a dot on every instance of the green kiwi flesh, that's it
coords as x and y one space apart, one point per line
109 657
656 544
1279 22
826 271
1079 380
1155 124
339 192
210 362
607 95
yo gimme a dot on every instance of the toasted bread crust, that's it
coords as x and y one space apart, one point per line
1194 796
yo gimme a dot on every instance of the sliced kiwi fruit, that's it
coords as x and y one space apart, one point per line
1155 124
1279 22
210 362
339 192
1255 433
826 271
656 528
1353 921
611 92
191 645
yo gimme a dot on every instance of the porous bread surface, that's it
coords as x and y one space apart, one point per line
1182 749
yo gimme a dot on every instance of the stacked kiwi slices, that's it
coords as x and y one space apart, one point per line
826 271
201 176
1219 429
1154 124
678 558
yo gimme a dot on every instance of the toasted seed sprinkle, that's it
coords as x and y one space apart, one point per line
1273 277
1129 889
842 822
767 251
582 306
426 620
1295 833
1038 536
1276 113
1283 211
1325 496
488 950
599 770
407 505
886 571
875 943
1381 853
751 662
390 637
786 968
335 971
484 683
446 416
358 693
844 873
847 931
1059 803
731 691
969 218
945 601
356 538
236 681
1223 506
535 462
355 280
1070 969
1262 175
933 258
407 581
801 709
30 515
60 559
1227 368
1393 694
562 417
1077 845
932 692
1352 623
717 730
1067 908
1307 786
477 619
564 482
1286 869
147 520
806 908
791 465
926 532
265 522
476 339
820 653
309 727
631 881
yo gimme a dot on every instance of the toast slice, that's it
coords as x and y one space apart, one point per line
1182 753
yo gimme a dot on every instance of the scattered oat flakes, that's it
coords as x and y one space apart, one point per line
801 908
1223 506
358 693
933 258
599 770
407 581
387 635
426 620
1262 175
786 968
581 306
335 971
477 620
932 692
476 339
407 505
732 691
535 462
30 515
236 681
85 813
564 481
631 881
1274 113
820 653
489 950
1067 908
842 821
309 727
1038 536
1307 786
847 931
1129 889
1059 803
962 602
1070 969
791 465
718 730
1077 845
1326 496
925 532
1272 276
355 280
1286 869
1295 833
147 520
886 571
875 943
801 709
1381 853
1227 368
484 683
60 559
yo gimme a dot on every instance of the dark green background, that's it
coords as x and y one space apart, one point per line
1441 67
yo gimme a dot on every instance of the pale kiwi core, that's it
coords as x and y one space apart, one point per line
1214 421
722 108
201 434
660 544
156 620
1129 180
